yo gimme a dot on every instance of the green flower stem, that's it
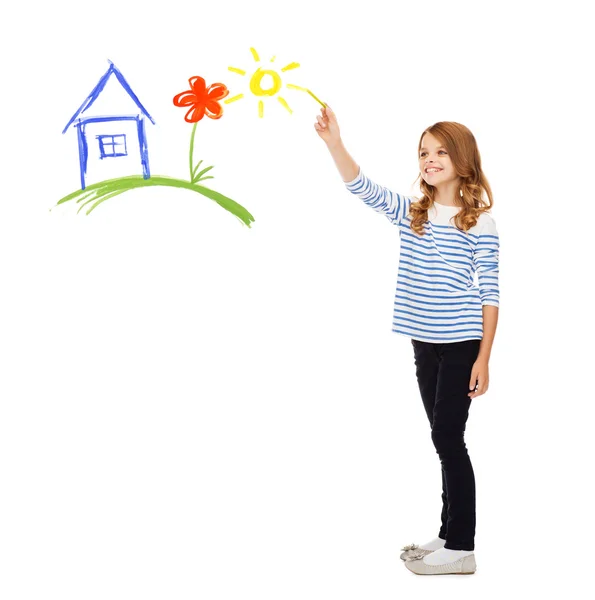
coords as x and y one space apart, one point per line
192 151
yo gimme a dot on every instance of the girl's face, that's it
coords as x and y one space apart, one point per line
433 155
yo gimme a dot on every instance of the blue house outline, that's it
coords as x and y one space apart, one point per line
81 123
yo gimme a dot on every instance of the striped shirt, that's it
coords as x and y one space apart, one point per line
436 298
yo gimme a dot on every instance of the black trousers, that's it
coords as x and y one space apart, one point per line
443 372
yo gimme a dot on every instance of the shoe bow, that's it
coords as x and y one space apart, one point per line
410 547
416 555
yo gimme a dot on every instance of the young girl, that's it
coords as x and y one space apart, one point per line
446 236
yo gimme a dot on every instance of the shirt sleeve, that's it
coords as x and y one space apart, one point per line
393 206
486 262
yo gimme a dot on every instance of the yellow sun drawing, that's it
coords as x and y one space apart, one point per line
256 85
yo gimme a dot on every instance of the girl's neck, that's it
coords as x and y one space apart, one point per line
447 193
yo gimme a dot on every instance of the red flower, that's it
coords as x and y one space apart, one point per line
202 100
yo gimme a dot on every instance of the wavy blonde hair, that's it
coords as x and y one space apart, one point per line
462 149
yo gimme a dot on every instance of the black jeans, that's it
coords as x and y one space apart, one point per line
443 372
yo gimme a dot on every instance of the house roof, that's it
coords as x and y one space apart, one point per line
99 88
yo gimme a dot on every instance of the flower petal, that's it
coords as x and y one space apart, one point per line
214 109
198 86
195 114
217 91
185 98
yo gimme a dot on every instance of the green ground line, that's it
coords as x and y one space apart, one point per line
99 192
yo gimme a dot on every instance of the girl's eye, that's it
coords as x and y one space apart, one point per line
438 152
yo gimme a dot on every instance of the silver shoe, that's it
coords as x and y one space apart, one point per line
463 566
411 549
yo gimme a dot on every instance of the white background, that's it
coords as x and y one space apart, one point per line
191 408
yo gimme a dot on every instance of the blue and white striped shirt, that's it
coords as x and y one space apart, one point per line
436 298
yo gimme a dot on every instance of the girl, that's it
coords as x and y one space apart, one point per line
446 236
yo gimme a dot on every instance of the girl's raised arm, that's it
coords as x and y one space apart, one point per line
328 129
393 206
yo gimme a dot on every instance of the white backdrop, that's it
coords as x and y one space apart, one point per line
191 408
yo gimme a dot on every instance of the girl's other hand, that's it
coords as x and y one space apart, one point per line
327 126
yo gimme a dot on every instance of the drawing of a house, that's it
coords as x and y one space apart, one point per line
110 127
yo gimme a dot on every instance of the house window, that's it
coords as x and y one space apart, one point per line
112 145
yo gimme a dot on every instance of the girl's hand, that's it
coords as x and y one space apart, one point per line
480 377
327 126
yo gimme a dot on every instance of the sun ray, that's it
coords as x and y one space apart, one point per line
284 103
303 89
255 54
316 97
236 70
290 66
273 59
238 97
260 108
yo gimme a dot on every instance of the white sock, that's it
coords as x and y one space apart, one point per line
443 556
434 544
